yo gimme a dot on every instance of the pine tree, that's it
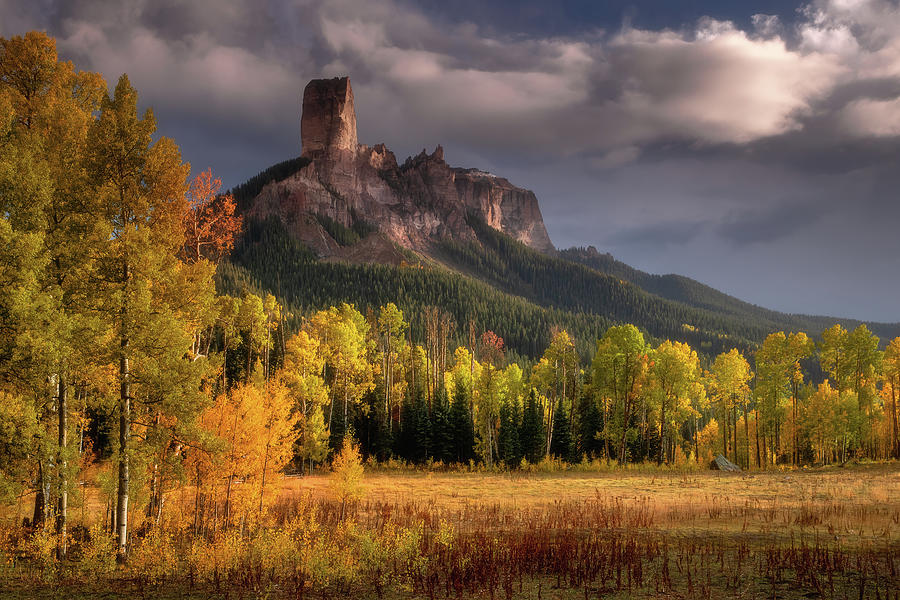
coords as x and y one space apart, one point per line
508 435
375 436
461 425
422 433
441 428
337 433
532 432
589 426
561 446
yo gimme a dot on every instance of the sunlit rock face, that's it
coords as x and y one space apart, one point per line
328 119
415 205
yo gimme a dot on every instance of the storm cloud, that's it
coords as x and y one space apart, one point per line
744 145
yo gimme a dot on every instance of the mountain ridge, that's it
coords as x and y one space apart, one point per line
415 205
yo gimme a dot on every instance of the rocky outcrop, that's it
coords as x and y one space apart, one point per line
328 120
414 205
503 206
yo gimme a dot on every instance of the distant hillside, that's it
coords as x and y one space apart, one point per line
269 259
553 282
693 293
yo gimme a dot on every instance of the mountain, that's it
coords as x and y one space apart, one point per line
415 205
345 222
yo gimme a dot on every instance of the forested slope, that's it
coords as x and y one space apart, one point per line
522 299
269 259
696 294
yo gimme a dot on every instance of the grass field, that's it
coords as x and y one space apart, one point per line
822 533
863 500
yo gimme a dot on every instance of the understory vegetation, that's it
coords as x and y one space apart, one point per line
685 534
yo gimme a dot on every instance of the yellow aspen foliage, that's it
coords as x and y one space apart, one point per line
675 368
313 444
255 426
890 393
346 476
304 363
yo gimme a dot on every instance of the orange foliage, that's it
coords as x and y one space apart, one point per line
210 224
250 433
491 348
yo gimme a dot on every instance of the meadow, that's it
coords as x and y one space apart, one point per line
580 533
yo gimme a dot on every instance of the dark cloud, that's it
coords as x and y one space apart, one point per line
767 226
659 234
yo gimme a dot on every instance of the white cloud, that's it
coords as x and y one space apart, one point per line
195 74
720 86
767 26
871 118
711 85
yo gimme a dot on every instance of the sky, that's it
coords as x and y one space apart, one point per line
753 145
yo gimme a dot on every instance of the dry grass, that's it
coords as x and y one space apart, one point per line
647 533
853 504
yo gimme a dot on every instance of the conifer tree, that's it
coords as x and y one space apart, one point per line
422 432
461 424
561 445
532 430
589 426
442 438
508 435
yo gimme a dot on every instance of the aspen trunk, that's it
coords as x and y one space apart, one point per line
605 427
627 418
662 432
226 511
346 401
724 429
795 454
549 429
895 446
490 455
734 439
63 503
124 435
758 461
746 436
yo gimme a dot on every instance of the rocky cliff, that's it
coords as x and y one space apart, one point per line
415 204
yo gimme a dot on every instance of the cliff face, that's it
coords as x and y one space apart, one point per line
414 205
328 120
